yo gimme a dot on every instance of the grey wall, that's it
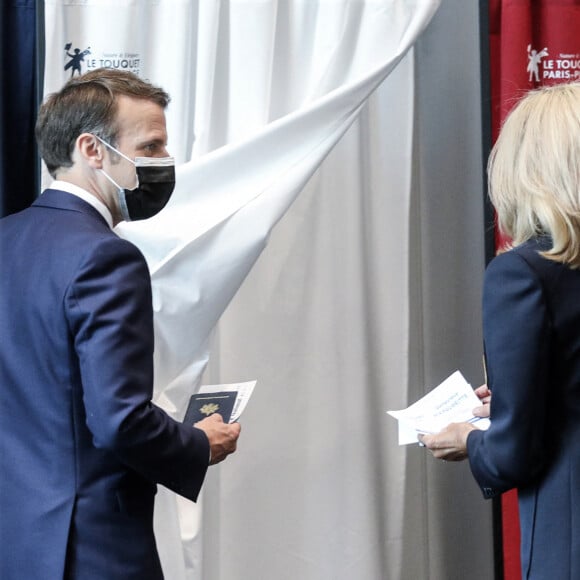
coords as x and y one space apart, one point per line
449 269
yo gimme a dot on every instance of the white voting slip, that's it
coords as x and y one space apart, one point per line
452 401
244 392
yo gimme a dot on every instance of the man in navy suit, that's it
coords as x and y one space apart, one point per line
531 329
82 447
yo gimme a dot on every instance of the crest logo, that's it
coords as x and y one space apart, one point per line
209 409
76 59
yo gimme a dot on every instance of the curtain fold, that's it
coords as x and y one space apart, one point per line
330 293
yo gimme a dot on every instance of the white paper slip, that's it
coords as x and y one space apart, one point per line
244 391
452 401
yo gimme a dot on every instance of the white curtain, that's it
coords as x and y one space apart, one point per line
262 92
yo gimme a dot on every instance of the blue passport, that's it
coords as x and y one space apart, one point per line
202 405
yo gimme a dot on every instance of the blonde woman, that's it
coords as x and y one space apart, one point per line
531 326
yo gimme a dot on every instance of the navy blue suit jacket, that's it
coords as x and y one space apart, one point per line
81 445
531 319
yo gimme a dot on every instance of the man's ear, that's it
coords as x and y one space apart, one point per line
90 149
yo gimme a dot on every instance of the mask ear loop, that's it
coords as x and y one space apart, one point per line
114 149
121 191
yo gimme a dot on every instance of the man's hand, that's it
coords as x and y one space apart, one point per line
449 444
484 395
223 437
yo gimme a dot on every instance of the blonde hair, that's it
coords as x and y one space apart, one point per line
534 171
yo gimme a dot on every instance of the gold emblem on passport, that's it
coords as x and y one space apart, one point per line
209 408
202 405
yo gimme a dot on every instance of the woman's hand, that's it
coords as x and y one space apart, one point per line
449 444
484 395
